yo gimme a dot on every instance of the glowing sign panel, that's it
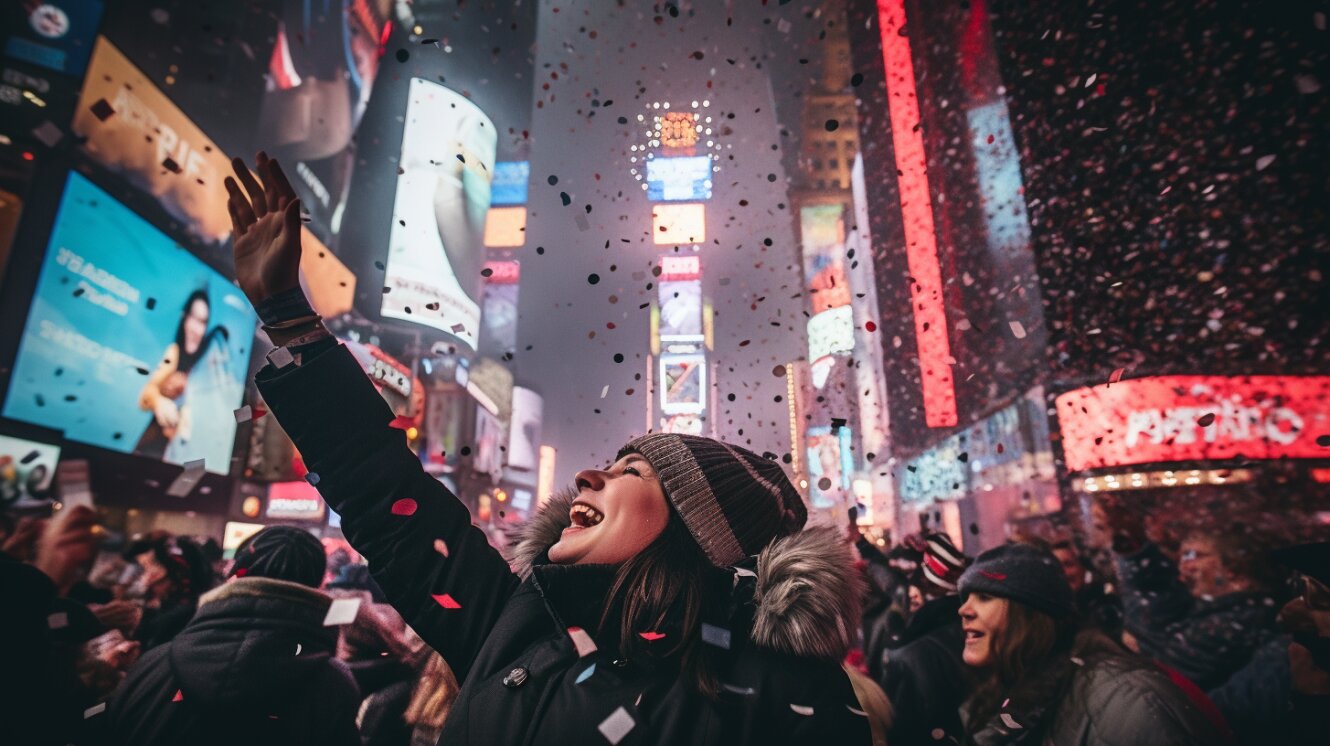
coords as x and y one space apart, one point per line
830 463
680 268
680 309
1193 418
682 383
509 185
679 179
831 332
678 224
677 129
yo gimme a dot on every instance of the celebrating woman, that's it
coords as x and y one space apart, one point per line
1046 684
671 597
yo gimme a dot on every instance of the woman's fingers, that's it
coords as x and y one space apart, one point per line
236 226
264 167
243 214
279 182
258 202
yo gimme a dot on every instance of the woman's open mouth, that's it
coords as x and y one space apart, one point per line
584 516
971 635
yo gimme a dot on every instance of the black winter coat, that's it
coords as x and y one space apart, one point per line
925 678
254 666
505 634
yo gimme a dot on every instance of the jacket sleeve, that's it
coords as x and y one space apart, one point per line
437 569
1258 694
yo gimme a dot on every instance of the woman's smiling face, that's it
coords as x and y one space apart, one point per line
618 512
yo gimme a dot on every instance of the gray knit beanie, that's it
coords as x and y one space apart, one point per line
733 501
1024 573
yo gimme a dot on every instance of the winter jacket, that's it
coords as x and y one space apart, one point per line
776 646
254 666
926 679
385 686
1205 640
1096 696
1256 700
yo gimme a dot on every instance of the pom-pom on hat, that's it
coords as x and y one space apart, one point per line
1023 573
942 563
733 501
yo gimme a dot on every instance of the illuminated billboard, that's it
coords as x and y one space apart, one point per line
683 379
510 183
443 194
1194 418
831 332
678 224
687 267
822 231
505 227
682 179
830 464
680 309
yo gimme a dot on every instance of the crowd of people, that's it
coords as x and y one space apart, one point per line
160 640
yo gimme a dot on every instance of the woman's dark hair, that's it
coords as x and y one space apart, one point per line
188 359
1028 661
663 588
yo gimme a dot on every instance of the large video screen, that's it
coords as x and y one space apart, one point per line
683 179
132 344
435 249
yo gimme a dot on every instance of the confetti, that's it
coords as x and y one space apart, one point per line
446 601
179 696
49 134
718 636
1017 329
58 620
244 414
96 709
312 478
582 641
586 673
651 636
441 547
804 710
404 506
280 357
1010 721
187 480
402 423
341 611
860 713
299 648
102 109
616 726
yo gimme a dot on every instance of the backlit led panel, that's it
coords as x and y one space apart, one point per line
926 299
679 179
682 383
678 224
505 227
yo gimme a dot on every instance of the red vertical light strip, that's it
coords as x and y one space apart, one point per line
926 300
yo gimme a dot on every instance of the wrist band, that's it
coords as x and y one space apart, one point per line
310 338
292 323
284 306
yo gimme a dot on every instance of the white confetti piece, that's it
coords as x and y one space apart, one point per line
804 710
582 641
298 648
616 726
860 713
441 547
1017 329
1010 721
48 133
96 709
1264 162
744 573
280 357
583 224
1077 661
586 674
718 636
58 620
341 611
605 390
743 691
244 414
188 479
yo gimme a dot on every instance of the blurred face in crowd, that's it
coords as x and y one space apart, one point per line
1071 566
618 512
154 579
983 618
1202 570
916 599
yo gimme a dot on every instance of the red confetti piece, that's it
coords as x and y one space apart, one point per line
179 696
242 572
870 326
441 547
651 636
405 506
402 423
446 601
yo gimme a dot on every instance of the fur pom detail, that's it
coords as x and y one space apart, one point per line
541 531
808 595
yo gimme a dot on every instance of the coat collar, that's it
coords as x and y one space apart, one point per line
803 589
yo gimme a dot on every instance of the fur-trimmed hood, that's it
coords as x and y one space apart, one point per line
806 596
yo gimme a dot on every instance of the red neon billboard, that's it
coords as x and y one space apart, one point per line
926 300
1193 418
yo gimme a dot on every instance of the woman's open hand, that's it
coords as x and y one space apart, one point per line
266 221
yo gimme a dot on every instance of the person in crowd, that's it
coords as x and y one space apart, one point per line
1044 683
1203 617
924 676
174 576
256 664
383 668
1282 695
41 696
885 602
686 601
1095 606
